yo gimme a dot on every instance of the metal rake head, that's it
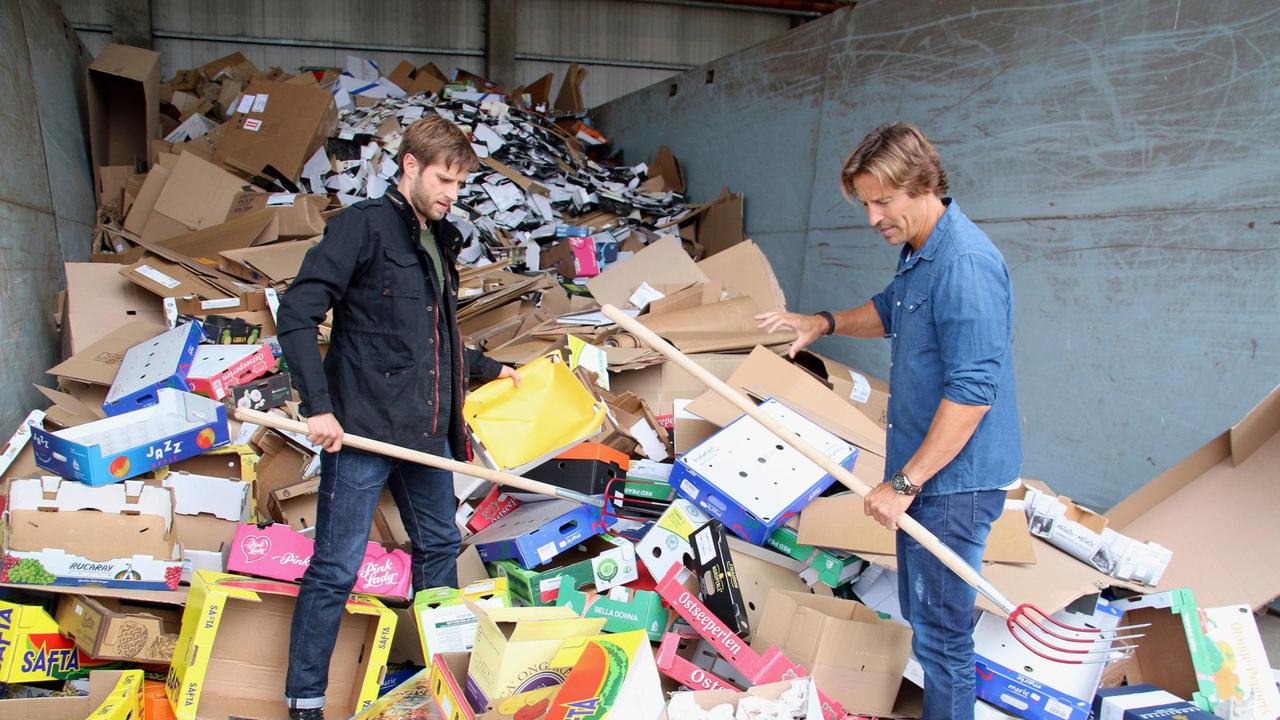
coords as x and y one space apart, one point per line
1059 642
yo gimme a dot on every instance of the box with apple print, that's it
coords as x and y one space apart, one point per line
180 425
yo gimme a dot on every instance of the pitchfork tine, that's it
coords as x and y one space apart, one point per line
906 523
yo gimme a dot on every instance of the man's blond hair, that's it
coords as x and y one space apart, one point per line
433 140
899 156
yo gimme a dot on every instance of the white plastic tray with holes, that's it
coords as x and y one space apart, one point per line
748 478
173 429
152 364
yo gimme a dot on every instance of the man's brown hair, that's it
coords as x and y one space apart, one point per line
899 156
434 140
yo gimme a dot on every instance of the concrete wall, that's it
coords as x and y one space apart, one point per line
625 45
46 193
1121 153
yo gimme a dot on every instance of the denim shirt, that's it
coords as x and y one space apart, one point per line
948 314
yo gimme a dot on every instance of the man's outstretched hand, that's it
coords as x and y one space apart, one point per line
807 327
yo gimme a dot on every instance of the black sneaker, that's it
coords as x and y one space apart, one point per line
306 713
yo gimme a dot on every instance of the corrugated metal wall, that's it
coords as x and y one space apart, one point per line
451 34
1121 153
46 195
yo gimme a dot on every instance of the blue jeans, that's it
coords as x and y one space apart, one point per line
350 483
938 604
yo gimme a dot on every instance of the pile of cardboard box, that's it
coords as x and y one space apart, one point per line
146 527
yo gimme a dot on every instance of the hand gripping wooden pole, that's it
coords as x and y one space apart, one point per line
414 456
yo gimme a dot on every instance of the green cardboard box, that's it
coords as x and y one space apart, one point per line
576 567
785 540
623 610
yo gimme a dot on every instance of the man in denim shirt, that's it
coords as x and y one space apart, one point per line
952 438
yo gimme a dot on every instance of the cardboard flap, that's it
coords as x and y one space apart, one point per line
200 494
745 269
126 61
1227 486
197 193
736 315
839 522
49 493
293 122
202 247
299 214
169 279
1258 426
99 302
661 261
145 202
666 166
72 404
766 374
706 342
277 262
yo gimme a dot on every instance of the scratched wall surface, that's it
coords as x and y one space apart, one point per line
46 195
1121 154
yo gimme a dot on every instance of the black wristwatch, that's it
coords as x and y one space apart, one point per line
903 485
831 321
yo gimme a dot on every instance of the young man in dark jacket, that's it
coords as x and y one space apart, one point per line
395 371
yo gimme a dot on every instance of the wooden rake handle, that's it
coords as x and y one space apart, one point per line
908 524
415 456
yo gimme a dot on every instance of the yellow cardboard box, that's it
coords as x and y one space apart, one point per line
233 651
32 650
515 649
113 695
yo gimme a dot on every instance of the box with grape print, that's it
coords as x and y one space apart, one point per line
180 425
61 532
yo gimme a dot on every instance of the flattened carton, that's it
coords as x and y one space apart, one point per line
180 425
233 651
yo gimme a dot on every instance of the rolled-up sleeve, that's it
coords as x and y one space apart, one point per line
972 311
881 303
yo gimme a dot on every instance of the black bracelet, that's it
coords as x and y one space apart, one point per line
831 321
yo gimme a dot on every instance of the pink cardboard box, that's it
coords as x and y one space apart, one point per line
772 666
218 368
280 553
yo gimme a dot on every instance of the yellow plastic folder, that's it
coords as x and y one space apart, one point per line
551 410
